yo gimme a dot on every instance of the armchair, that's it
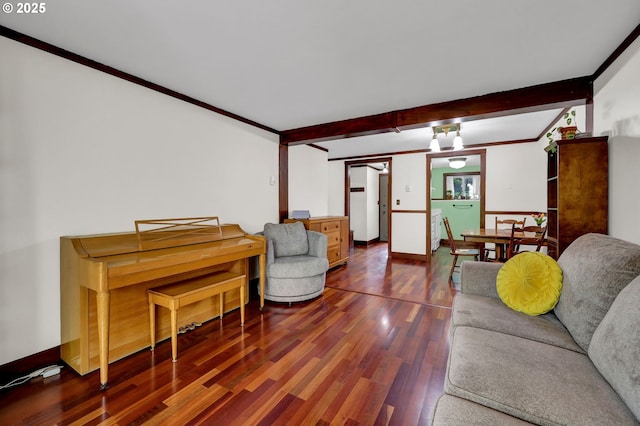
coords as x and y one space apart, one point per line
296 262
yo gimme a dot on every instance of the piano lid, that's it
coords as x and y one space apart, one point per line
156 234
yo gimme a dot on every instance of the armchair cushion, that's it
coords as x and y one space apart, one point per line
297 267
289 239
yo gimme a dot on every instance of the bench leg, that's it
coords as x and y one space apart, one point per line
174 334
221 298
242 290
152 329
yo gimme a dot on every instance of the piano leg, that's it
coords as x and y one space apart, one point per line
263 271
102 308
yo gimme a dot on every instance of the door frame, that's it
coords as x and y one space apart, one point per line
347 188
483 187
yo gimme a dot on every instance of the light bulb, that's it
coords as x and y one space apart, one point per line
457 142
435 145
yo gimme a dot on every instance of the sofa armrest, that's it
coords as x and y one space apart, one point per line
317 244
479 278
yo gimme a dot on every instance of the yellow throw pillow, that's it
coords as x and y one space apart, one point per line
530 283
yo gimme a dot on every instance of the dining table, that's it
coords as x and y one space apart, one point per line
499 237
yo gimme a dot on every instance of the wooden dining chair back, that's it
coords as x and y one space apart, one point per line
510 223
525 236
502 224
457 252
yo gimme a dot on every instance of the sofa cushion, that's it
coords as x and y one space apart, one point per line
297 267
530 283
491 314
615 346
533 381
453 411
595 268
289 239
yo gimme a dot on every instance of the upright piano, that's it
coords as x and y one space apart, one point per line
104 281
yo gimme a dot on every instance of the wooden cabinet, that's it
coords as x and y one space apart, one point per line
336 228
577 191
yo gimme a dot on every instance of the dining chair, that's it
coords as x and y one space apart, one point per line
457 252
500 224
515 242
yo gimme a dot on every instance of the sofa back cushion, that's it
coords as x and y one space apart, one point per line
615 346
595 268
289 239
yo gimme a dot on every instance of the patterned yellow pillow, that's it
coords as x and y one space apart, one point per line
530 283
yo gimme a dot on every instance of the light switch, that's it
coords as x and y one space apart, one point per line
407 188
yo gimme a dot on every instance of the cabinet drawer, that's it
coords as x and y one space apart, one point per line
333 254
330 226
333 238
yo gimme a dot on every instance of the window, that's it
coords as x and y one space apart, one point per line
462 186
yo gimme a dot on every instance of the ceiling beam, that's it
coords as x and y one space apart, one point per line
361 126
560 94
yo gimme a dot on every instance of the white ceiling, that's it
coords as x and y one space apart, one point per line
291 63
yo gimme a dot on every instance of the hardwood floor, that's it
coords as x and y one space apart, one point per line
371 351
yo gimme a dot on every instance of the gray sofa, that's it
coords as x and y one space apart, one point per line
576 365
296 262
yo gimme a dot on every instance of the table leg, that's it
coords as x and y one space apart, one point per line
102 308
263 270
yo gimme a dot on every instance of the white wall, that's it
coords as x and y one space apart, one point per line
617 114
408 187
308 186
516 177
84 152
335 188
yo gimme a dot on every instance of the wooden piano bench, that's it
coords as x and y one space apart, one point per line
183 293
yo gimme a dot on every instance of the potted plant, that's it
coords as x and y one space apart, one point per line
566 132
449 194
539 218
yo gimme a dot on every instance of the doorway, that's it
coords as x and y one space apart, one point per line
464 197
366 201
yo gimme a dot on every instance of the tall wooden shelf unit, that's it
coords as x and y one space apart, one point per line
577 191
